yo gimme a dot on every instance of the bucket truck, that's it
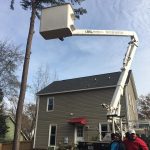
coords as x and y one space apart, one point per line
61 25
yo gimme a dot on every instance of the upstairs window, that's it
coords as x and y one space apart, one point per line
50 104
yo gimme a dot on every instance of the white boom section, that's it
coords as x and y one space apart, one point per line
114 108
88 32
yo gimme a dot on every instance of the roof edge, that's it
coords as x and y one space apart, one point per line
87 89
39 92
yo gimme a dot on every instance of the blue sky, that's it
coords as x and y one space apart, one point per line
85 56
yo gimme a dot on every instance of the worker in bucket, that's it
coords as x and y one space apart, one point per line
116 143
134 143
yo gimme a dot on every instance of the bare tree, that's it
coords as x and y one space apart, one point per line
144 107
13 105
10 59
3 125
28 120
28 115
42 78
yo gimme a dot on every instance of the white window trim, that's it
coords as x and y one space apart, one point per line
75 134
100 129
48 103
50 135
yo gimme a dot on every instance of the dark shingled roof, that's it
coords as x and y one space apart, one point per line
83 83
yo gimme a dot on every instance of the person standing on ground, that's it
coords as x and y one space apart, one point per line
116 143
134 143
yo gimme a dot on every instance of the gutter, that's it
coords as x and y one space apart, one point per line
70 91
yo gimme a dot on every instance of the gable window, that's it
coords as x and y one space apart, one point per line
52 135
50 103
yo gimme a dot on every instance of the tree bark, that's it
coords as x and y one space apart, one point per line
16 143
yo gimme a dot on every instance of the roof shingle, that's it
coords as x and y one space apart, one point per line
90 82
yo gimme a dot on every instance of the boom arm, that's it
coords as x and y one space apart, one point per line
114 108
88 32
126 62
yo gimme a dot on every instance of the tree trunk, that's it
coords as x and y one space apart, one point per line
16 143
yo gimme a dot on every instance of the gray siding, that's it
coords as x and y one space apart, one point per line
82 104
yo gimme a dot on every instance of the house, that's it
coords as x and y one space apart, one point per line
70 110
9 136
143 127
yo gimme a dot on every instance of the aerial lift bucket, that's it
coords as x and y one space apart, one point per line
57 22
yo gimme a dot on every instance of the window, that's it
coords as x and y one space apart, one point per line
52 135
50 104
104 128
79 131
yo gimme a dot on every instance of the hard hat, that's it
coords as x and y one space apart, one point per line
132 131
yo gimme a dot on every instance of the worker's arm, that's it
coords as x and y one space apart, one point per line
143 145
